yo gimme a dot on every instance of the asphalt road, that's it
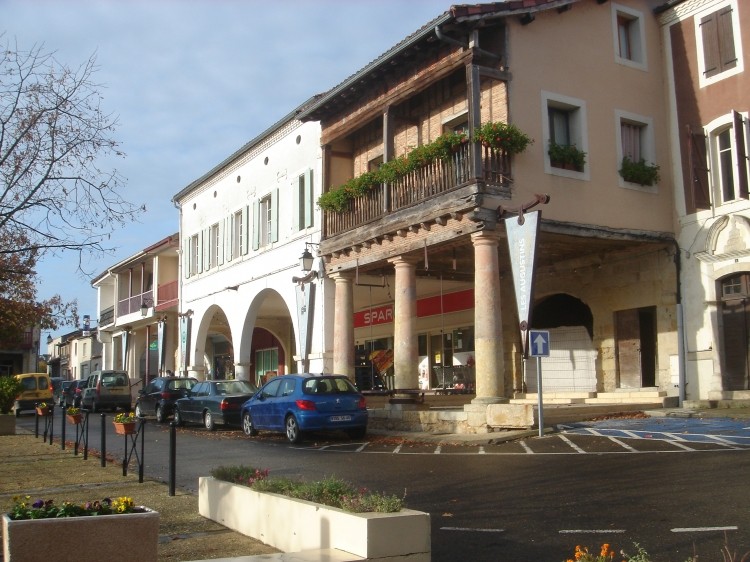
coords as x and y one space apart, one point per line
522 501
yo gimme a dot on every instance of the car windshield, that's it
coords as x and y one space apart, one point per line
181 384
235 387
328 385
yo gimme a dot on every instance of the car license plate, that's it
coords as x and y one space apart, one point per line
341 418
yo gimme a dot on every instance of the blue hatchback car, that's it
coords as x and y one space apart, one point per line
300 403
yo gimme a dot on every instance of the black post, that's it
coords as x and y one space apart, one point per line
62 427
104 441
142 431
86 438
126 457
172 455
36 424
50 423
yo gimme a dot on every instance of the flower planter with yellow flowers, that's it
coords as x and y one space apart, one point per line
85 538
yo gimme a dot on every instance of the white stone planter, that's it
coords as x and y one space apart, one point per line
131 536
293 525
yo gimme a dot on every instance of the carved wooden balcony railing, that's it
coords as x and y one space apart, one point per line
417 187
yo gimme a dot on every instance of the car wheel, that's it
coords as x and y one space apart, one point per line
139 411
247 425
208 421
358 433
161 417
293 432
178 418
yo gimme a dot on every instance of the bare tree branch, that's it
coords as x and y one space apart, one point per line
54 136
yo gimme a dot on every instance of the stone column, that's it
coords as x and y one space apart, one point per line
405 356
488 333
343 325
242 372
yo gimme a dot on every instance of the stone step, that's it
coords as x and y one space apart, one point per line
532 399
323 555
631 393
627 400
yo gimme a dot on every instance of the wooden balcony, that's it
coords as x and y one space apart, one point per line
133 304
420 186
107 317
166 295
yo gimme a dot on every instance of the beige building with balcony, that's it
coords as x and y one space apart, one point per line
419 254
137 311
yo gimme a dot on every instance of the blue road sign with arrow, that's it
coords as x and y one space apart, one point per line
539 343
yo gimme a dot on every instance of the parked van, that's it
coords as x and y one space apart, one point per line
36 388
106 390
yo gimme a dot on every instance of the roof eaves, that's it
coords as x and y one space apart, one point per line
294 114
419 35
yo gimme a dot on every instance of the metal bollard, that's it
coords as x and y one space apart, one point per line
172 456
104 441
142 432
63 410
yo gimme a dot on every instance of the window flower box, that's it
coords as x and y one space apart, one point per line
639 172
566 156
294 525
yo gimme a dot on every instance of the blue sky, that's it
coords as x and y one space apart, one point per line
191 81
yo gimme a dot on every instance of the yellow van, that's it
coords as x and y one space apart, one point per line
37 387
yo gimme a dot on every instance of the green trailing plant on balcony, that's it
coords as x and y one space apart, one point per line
442 148
566 156
639 172
503 136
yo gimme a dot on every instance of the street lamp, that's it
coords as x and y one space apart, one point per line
49 339
306 259
144 309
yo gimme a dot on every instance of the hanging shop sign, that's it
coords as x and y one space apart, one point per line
522 232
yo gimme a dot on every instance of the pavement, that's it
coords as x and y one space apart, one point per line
68 475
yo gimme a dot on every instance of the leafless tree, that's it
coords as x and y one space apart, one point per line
56 192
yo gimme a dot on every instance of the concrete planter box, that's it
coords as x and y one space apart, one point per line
7 424
293 525
131 536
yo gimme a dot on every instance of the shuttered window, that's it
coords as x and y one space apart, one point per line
697 188
717 33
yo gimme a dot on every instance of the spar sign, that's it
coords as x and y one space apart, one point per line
522 231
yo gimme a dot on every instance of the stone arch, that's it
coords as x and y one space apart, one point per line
212 325
271 312
571 366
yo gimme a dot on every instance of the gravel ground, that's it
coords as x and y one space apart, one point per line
42 471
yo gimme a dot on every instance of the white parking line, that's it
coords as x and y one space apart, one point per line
623 444
471 529
677 443
573 445
703 529
397 449
437 450
590 531
526 448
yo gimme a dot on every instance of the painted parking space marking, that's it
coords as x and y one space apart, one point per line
703 529
590 531
472 530
623 444
572 445
526 448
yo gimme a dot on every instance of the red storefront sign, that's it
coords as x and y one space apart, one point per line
429 306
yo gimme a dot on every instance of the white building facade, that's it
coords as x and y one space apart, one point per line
247 310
